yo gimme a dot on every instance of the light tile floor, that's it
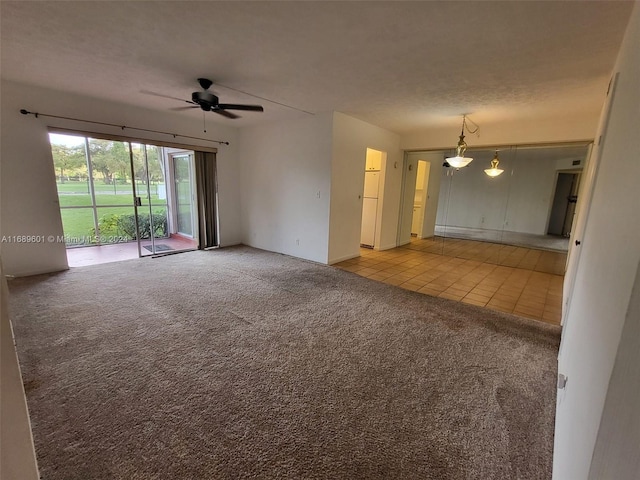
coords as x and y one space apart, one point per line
516 280
83 256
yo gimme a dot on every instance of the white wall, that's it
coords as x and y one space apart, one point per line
351 138
29 203
17 455
616 452
519 200
469 198
285 181
593 356
530 193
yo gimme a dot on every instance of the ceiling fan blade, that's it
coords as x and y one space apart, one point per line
224 113
155 94
178 109
233 106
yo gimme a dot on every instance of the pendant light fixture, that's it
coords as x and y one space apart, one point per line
460 160
494 171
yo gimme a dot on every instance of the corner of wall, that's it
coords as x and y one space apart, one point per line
351 138
17 457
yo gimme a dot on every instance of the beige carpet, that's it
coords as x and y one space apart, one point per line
239 363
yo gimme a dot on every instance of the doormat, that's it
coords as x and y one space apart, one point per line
161 247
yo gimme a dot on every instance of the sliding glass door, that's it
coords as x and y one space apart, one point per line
131 194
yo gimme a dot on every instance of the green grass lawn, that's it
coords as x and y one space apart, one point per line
78 223
76 194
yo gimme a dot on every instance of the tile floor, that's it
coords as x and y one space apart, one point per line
83 256
516 280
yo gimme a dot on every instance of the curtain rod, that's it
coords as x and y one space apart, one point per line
174 135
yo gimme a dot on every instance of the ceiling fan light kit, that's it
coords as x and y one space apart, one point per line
208 102
204 99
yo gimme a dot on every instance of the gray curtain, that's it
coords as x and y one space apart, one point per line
207 195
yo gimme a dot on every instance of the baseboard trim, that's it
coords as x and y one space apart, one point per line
343 258
30 273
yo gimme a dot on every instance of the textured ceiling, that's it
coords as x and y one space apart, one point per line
401 65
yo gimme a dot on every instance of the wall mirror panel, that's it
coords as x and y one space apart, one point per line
521 218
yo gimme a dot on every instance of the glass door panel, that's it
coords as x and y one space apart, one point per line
111 171
74 189
183 194
78 226
475 207
150 187
116 225
157 199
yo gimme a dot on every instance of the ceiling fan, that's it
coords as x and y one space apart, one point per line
208 102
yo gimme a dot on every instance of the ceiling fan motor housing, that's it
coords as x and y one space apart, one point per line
206 100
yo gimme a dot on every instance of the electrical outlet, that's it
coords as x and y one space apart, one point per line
298 241
562 381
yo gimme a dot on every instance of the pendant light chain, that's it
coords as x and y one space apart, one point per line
464 124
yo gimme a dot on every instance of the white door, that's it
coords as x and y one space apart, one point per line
416 223
410 164
371 184
583 206
368 231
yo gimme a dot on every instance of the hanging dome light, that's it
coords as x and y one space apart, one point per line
494 171
460 160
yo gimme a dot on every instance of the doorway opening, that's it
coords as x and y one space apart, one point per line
420 198
563 207
371 199
121 199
